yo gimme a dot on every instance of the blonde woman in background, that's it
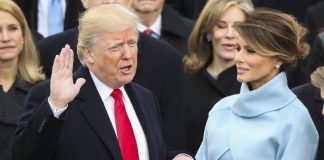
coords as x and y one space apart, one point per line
265 121
312 95
19 70
211 73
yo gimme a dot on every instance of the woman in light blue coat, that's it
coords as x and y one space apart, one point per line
265 121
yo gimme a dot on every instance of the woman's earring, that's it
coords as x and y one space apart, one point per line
209 38
277 66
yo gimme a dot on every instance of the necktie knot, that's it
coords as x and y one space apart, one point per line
116 94
148 32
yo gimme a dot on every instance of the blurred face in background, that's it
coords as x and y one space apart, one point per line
11 37
223 35
92 3
147 6
252 67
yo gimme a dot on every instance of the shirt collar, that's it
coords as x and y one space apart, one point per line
104 90
155 27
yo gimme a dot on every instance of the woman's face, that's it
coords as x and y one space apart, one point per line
253 67
11 37
223 34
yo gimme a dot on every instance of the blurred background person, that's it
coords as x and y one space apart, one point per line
265 121
210 66
316 55
312 95
163 22
19 70
49 17
188 8
313 20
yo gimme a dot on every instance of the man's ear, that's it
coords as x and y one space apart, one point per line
88 57
85 3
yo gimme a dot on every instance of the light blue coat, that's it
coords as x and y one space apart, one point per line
268 123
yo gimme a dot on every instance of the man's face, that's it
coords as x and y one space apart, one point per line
92 3
147 6
113 57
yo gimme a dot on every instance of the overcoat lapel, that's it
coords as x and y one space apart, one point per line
93 110
143 119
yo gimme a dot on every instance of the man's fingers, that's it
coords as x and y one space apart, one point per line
55 67
66 56
79 83
71 59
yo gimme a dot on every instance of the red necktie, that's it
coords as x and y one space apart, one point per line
148 32
125 134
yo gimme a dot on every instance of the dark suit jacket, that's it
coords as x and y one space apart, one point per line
313 21
311 98
84 131
73 9
159 70
188 8
176 29
316 55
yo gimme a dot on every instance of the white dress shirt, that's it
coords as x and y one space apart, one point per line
42 12
155 27
104 92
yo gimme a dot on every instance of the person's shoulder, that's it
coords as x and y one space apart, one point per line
302 89
224 104
58 38
149 45
295 109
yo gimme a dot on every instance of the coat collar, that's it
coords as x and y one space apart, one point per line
273 95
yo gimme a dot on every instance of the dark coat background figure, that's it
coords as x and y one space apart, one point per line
73 9
310 96
201 94
314 20
176 29
188 8
316 55
11 103
293 7
84 131
159 70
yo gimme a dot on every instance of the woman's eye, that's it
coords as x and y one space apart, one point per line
13 28
250 51
222 25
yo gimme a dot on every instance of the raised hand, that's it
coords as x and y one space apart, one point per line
63 89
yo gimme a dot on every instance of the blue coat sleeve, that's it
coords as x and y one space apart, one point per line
298 140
